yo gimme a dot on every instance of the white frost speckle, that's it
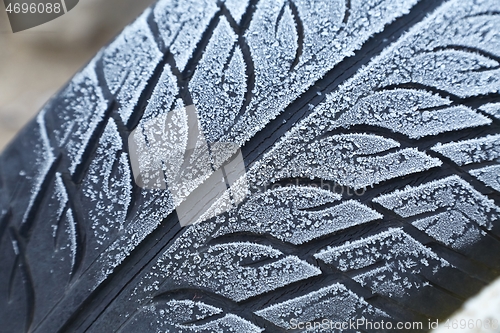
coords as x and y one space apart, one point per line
15 247
61 195
71 230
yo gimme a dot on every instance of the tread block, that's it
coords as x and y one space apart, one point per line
181 25
237 271
390 263
284 213
128 63
352 160
187 316
471 151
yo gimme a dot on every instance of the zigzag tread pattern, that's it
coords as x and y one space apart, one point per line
426 104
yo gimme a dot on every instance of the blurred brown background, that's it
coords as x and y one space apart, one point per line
36 63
